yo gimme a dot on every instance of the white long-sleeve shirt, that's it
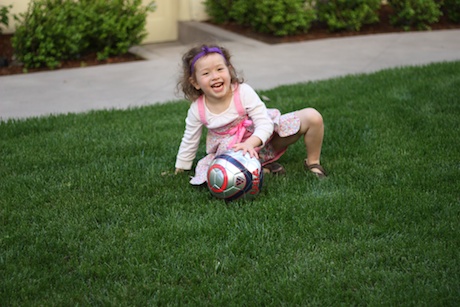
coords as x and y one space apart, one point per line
255 109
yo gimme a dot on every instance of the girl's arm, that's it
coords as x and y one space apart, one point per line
190 141
257 112
263 125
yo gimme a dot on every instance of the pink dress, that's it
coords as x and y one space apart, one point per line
222 139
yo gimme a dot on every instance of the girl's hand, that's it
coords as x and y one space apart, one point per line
178 171
249 146
246 148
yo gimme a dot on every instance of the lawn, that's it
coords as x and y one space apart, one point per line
87 218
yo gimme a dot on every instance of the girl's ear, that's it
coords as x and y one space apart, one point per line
194 83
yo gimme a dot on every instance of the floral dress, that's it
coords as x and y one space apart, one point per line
223 138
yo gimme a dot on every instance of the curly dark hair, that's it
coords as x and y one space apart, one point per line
184 84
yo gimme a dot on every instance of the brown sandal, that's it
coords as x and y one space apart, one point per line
321 175
274 168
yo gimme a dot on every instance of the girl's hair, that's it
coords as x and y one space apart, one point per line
188 59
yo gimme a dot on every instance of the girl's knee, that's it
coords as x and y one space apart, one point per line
310 117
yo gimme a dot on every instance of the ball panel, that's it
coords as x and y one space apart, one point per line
233 175
217 175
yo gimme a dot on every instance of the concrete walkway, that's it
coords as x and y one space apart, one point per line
263 66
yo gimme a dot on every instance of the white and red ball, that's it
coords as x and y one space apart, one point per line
233 175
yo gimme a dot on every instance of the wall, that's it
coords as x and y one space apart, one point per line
19 6
162 23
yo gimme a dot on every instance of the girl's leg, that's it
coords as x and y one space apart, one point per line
312 130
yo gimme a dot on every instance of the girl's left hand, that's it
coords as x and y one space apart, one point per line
246 148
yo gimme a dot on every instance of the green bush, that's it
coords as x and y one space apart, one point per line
276 17
348 14
282 18
55 30
4 18
115 26
219 10
419 14
50 31
242 12
452 10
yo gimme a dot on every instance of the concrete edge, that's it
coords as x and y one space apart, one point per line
193 32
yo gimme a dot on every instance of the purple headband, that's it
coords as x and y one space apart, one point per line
205 51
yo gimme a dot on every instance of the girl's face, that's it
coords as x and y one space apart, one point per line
212 77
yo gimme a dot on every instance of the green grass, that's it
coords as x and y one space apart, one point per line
87 219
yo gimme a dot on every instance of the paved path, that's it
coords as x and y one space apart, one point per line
263 66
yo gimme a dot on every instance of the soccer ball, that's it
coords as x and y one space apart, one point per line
233 175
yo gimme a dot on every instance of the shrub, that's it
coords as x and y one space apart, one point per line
219 10
279 18
452 10
414 13
51 31
55 30
115 26
282 18
4 18
242 12
348 14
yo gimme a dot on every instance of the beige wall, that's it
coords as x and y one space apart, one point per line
19 6
161 24
192 10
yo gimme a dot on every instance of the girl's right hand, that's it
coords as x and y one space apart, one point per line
178 171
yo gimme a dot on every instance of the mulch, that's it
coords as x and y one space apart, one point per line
8 66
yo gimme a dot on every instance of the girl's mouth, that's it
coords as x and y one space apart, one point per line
217 85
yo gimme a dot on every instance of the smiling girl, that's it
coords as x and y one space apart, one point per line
237 119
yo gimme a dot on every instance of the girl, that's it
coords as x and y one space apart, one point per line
237 119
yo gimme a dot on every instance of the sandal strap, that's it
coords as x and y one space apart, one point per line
317 166
275 168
